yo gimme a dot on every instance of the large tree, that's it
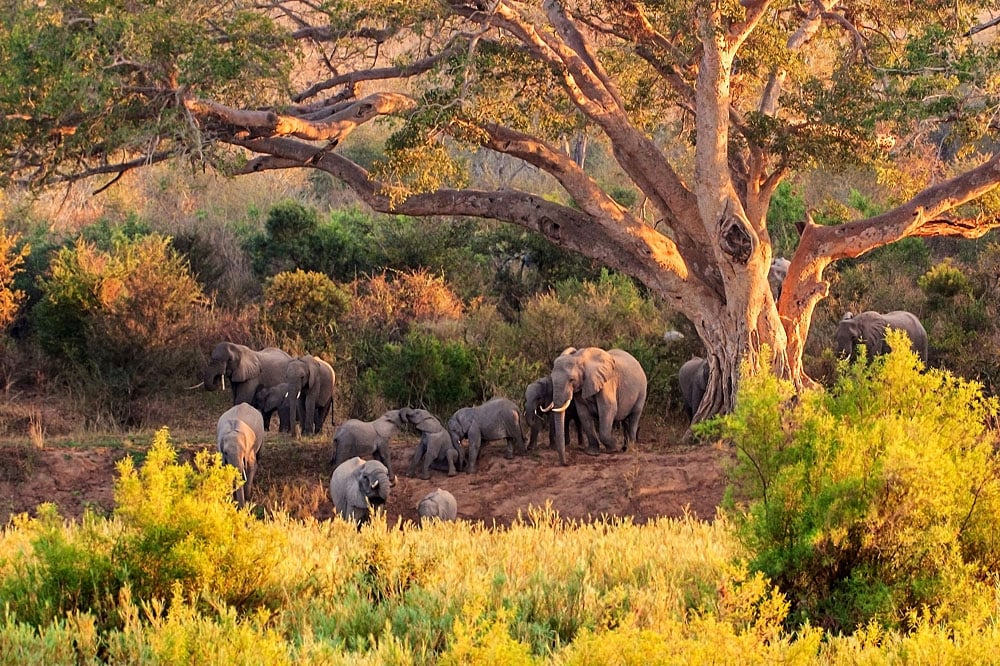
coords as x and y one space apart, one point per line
705 106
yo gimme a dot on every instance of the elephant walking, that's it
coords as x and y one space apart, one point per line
436 449
247 369
537 396
239 437
438 504
311 380
357 487
495 419
693 380
869 328
367 439
607 386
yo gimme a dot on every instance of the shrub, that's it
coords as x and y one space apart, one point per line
123 322
873 500
11 264
944 281
424 372
303 310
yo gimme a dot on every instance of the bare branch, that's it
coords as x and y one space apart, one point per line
983 26
382 73
333 129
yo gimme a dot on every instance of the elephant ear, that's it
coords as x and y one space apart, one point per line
312 368
599 369
244 365
872 330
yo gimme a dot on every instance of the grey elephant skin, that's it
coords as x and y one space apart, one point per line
246 369
239 437
357 487
493 420
435 449
693 380
271 399
607 387
537 397
776 275
438 504
869 329
311 380
367 439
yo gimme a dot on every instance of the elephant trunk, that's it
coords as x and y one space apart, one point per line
562 409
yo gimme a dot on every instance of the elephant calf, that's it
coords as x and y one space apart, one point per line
538 396
436 448
495 419
438 504
239 436
357 487
367 439
271 399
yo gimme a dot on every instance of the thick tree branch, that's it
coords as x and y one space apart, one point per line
332 129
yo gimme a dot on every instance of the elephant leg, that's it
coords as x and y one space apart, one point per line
418 454
590 430
509 451
382 453
474 444
607 429
452 455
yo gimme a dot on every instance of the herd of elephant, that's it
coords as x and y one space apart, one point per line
592 388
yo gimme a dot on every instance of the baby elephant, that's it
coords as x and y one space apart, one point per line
436 448
367 439
357 487
498 418
438 504
271 399
239 436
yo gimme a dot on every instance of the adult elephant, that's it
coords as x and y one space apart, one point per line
693 380
495 419
537 396
607 386
367 439
311 381
239 436
357 487
246 369
435 449
869 329
438 504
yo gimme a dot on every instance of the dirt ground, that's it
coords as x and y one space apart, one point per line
657 478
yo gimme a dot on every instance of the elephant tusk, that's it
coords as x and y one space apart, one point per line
198 385
375 483
298 394
223 382
564 407
546 408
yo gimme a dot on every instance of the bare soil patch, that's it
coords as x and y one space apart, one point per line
657 478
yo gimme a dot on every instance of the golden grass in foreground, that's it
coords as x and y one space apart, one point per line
179 575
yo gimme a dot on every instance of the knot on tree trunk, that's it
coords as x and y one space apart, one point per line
734 238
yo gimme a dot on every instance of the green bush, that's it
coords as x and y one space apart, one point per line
424 372
873 500
125 322
303 310
944 281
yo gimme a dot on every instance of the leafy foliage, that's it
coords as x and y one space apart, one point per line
303 309
11 263
873 500
124 321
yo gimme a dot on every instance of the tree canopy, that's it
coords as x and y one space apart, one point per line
705 106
